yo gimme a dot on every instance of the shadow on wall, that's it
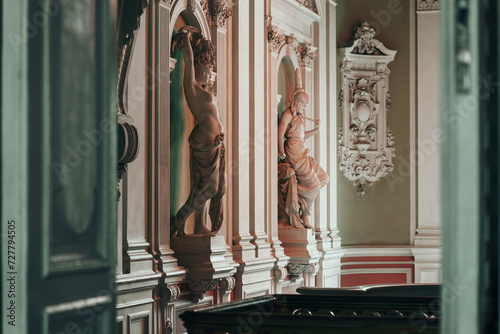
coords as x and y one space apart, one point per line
177 132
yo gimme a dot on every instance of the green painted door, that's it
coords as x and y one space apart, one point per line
58 166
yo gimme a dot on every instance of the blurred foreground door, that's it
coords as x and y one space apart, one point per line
58 166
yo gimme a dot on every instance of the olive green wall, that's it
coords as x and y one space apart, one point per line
383 216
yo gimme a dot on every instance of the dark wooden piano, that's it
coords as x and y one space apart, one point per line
385 309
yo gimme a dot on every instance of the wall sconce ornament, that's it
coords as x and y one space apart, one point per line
365 139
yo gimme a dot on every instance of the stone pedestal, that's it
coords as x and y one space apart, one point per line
204 258
301 246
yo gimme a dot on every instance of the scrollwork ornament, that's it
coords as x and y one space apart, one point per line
226 284
306 54
169 294
205 5
279 273
365 42
275 39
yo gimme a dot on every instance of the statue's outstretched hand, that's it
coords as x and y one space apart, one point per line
318 122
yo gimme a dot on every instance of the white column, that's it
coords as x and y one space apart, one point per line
326 154
427 247
159 81
272 99
254 273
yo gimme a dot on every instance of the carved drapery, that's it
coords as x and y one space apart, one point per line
428 5
365 139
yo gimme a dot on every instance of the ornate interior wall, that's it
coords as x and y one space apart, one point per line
259 45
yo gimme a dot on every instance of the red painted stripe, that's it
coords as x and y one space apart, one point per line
375 278
378 259
388 265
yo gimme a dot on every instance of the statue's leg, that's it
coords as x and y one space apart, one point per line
200 219
305 220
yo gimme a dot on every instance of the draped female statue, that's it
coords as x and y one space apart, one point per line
300 176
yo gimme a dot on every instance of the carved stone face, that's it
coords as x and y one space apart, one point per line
300 102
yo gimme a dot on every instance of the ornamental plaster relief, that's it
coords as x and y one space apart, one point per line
365 139
217 11
309 4
423 5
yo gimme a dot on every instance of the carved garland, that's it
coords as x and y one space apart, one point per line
428 5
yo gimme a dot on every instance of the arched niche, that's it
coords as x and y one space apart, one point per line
182 121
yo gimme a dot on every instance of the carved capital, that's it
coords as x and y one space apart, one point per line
275 39
199 287
221 12
279 273
423 5
217 11
306 53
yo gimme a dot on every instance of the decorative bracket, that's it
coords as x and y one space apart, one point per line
128 138
169 294
199 287
365 139
297 269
